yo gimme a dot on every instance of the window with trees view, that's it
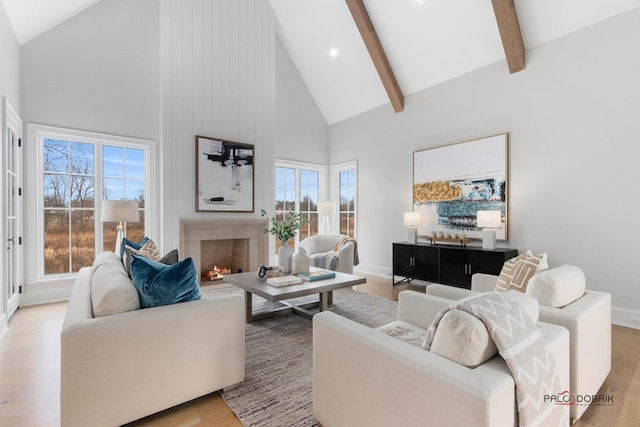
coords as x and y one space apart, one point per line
299 187
77 174
347 186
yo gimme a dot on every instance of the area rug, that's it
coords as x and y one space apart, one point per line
277 390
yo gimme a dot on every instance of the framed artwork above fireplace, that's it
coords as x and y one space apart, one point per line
224 175
452 183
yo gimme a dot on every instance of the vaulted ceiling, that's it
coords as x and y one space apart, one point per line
426 41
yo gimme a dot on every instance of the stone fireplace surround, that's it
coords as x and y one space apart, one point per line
191 233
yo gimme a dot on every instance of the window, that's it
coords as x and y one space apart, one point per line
299 188
346 177
77 171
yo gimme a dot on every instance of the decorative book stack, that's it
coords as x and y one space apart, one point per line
284 281
317 275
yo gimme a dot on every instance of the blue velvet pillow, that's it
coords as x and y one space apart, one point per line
160 284
136 246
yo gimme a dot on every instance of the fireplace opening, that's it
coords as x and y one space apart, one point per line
223 256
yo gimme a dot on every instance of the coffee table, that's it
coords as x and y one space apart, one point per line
252 284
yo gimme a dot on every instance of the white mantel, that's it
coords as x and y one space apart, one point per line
191 232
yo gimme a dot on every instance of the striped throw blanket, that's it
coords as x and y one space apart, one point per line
522 347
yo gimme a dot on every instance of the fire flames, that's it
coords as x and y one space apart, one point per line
217 273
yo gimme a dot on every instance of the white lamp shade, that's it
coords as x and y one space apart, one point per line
489 219
326 207
412 219
119 211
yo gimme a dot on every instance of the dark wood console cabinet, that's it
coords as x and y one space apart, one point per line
450 265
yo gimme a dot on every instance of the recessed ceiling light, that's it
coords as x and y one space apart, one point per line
333 52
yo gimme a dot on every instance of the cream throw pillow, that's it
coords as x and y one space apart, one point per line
462 338
559 286
112 291
148 250
517 271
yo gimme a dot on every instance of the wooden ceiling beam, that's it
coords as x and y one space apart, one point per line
378 56
509 28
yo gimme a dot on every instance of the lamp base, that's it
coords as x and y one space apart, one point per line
413 235
325 226
119 236
488 238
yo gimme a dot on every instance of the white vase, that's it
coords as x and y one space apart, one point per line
284 257
300 262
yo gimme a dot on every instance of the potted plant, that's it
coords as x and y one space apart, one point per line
284 230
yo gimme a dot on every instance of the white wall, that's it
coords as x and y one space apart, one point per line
573 119
10 62
97 71
301 132
218 80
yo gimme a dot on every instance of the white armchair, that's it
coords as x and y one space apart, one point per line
364 377
588 320
321 244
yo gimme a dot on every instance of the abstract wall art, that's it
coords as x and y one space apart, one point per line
452 183
224 175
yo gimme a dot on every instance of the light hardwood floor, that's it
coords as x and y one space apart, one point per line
30 366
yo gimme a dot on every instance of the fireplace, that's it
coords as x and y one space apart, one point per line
236 244
223 256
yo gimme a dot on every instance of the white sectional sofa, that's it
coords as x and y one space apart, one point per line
362 377
121 367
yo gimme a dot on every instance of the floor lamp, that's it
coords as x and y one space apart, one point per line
119 211
325 209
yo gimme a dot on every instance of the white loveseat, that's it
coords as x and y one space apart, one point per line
587 316
121 367
320 244
362 377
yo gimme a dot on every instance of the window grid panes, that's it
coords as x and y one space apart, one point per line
347 190
123 172
298 189
69 203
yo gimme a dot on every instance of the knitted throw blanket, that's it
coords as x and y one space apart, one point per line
329 260
522 347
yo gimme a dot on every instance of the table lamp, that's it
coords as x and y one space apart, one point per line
119 211
412 220
489 221
326 209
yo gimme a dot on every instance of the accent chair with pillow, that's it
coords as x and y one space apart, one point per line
120 362
385 377
331 251
564 300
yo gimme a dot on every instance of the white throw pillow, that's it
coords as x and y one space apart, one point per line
462 338
558 286
104 258
112 291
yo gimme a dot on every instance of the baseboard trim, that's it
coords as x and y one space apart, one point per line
42 294
373 269
625 317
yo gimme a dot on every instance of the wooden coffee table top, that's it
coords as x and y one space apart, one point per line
251 283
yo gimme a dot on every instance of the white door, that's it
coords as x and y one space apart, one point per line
12 208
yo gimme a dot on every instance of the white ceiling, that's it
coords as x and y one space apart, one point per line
427 41
30 18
